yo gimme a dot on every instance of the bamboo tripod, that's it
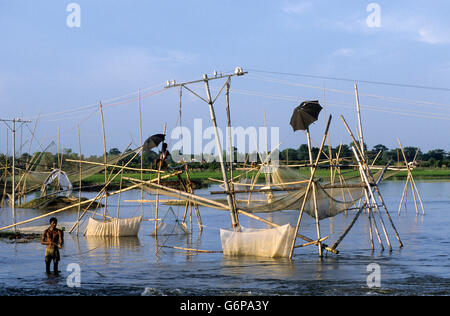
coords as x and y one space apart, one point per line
311 185
371 200
410 180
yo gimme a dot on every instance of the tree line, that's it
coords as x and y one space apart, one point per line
46 161
436 158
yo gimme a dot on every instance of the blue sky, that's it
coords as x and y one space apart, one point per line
47 67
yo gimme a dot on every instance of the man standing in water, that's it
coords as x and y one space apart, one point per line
53 239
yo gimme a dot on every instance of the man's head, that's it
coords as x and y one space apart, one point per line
53 222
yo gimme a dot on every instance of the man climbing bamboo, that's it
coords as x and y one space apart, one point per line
53 239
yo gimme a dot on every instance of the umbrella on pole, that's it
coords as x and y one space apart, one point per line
305 114
153 141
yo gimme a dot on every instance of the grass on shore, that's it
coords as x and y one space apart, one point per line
203 176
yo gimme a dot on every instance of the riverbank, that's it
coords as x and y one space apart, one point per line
203 178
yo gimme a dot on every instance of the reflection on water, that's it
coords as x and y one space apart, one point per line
131 243
137 265
258 267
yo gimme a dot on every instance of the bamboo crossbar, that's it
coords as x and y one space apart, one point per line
152 201
191 249
311 243
110 165
328 186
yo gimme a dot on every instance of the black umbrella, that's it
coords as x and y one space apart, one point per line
153 141
305 114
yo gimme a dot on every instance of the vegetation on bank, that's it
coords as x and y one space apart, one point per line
206 176
433 164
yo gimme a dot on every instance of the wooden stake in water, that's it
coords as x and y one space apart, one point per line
104 156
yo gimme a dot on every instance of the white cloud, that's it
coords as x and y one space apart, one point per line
297 8
432 36
344 52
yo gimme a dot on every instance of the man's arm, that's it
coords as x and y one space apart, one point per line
60 240
43 240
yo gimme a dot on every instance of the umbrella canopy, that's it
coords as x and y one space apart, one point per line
153 141
305 114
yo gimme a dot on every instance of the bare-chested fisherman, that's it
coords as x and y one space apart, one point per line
53 239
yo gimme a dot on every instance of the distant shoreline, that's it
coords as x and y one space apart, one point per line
203 178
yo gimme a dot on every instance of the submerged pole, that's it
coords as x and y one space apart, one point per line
233 214
13 192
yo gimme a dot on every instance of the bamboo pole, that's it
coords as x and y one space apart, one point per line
230 197
190 249
418 194
309 187
79 191
361 139
371 217
366 180
104 157
312 169
6 167
311 243
375 186
141 143
371 232
120 188
159 180
111 165
405 188
104 140
411 180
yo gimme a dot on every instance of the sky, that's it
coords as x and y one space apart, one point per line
56 72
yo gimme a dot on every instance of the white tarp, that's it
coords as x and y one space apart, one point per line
273 242
115 227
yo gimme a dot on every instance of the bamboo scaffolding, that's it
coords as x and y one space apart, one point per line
367 172
215 204
410 180
370 200
310 184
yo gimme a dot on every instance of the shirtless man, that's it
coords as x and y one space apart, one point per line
53 239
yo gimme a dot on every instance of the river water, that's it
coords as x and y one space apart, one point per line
140 266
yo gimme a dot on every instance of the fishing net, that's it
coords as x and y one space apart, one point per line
170 225
287 191
272 243
115 227
57 180
37 172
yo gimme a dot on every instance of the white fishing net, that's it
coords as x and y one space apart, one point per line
115 227
272 243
